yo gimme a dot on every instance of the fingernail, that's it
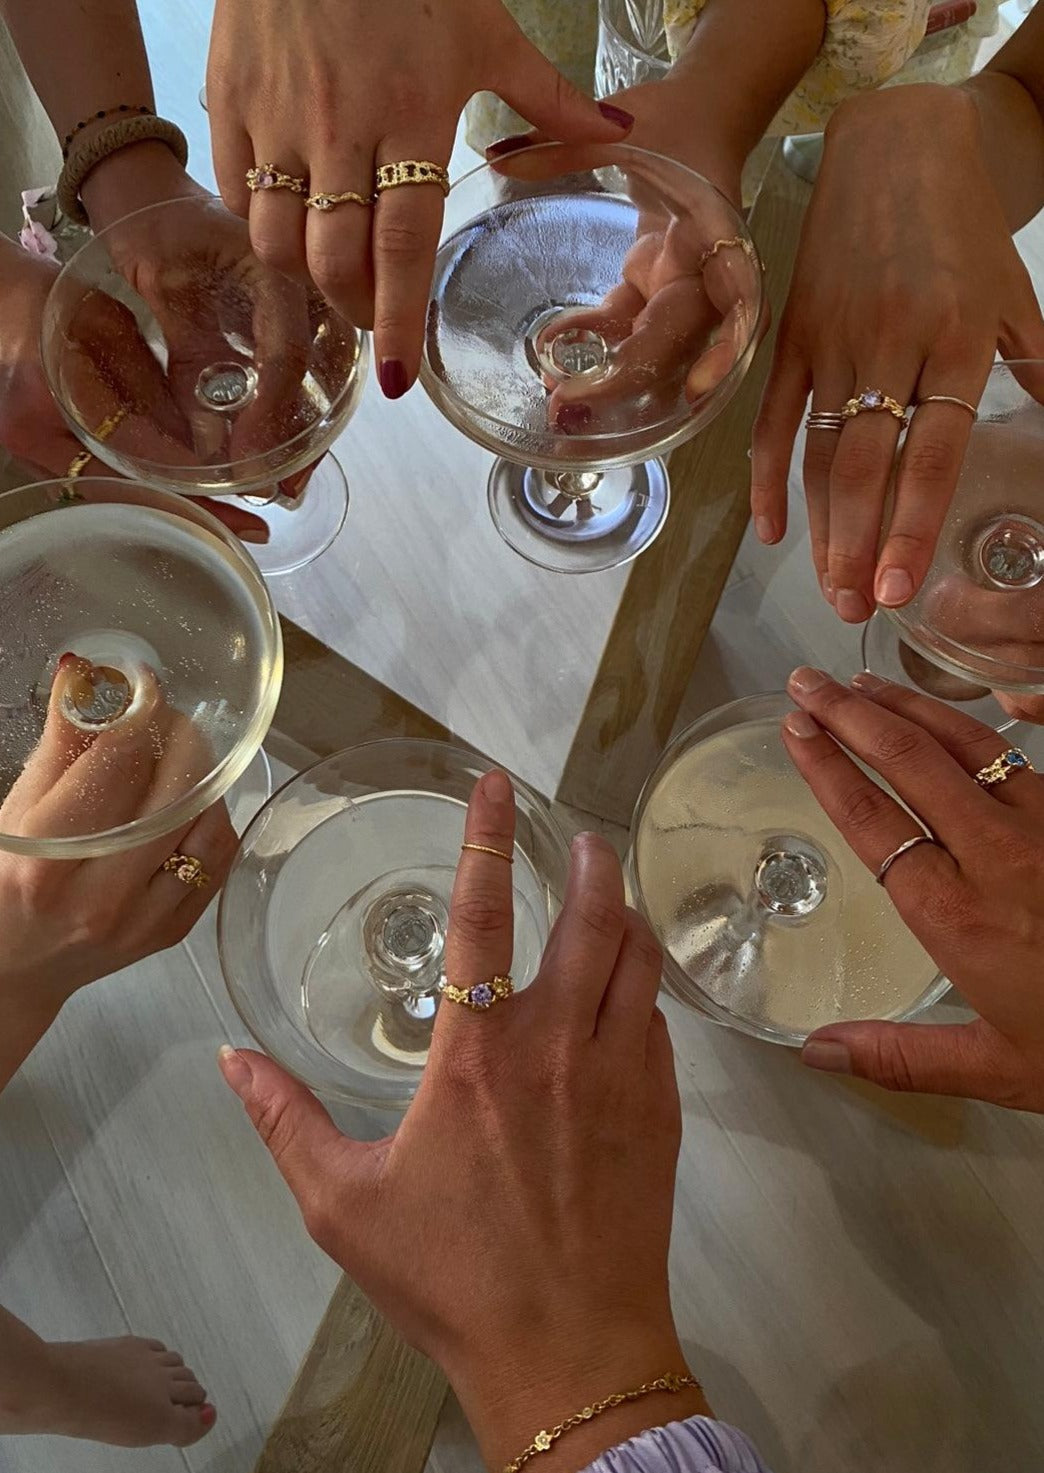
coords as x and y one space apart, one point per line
852 606
572 418
392 378
616 115
870 683
238 1073
581 840
828 1055
66 659
256 536
894 587
497 786
800 724
765 529
827 587
806 679
508 145
208 1415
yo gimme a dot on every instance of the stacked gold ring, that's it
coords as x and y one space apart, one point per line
264 177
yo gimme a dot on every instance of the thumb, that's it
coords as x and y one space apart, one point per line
972 1060
538 91
314 1158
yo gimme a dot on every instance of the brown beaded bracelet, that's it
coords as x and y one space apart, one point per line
105 112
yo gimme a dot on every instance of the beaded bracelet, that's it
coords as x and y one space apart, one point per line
105 112
87 155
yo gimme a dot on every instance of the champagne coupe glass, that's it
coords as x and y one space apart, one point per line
632 45
978 618
179 665
180 360
332 923
592 307
768 921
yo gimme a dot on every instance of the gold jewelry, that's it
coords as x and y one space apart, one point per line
270 176
821 420
886 864
734 242
544 1440
482 996
188 870
327 202
875 401
80 462
949 399
87 151
411 171
1002 767
485 849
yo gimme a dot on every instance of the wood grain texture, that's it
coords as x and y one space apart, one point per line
673 588
363 1400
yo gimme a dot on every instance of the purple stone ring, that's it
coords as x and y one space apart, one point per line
269 176
875 401
480 997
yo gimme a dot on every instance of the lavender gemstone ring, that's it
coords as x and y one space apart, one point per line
875 401
482 996
269 176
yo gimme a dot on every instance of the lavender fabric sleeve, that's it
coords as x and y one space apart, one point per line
699 1445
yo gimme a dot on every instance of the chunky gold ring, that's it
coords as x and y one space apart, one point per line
949 399
270 176
188 870
735 242
1002 767
411 171
485 849
80 462
875 401
482 996
326 202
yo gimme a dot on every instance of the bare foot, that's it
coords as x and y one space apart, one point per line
127 1392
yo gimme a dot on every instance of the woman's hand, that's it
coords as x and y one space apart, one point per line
907 281
974 898
516 1228
327 90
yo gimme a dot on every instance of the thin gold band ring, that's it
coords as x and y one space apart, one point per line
485 849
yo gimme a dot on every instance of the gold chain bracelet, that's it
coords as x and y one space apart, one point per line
544 1441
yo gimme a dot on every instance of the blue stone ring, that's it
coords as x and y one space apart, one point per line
482 996
1002 767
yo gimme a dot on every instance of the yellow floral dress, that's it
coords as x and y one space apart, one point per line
866 43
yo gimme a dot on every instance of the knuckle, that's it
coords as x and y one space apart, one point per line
862 808
603 918
278 249
889 1063
858 461
333 272
946 909
479 914
897 745
933 462
399 243
274 1124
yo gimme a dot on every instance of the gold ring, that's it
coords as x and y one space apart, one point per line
733 243
80 462
1002 767
886 864
822 420
485 849
270 176
874 401
949 399
482 996
411 171
327 202
188 870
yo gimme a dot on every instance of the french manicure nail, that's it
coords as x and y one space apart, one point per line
827 1054
807 679
511 144
616 115
572 418
237 1072
392 378
497 786
852 606
801 724
867 682
765 529
894 587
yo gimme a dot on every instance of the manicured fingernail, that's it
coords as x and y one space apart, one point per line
827 587
66 659
765 529
616 115
497 785
256 536
208 1415
581 840
237 1072
572 418
509 145
894 587
852 606
800 724
806 679
827 1054
392 378
867 682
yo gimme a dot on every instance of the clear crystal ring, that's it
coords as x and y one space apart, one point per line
270 176
482 996
1002 767
875 401
327 202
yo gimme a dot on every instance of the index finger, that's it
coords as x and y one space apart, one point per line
480 938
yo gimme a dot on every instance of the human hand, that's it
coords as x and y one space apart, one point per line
907 281
516 1227
330 89
974 898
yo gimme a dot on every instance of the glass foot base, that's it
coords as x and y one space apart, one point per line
886 654
249 793
579 521
300 530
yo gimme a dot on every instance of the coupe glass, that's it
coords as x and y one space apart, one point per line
632 45
332 923
592 306
768 921
886 653
178 359
180 663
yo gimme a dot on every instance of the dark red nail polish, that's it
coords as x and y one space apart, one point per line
207 1415
392 378
616 115
67 659
572 418
508 145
